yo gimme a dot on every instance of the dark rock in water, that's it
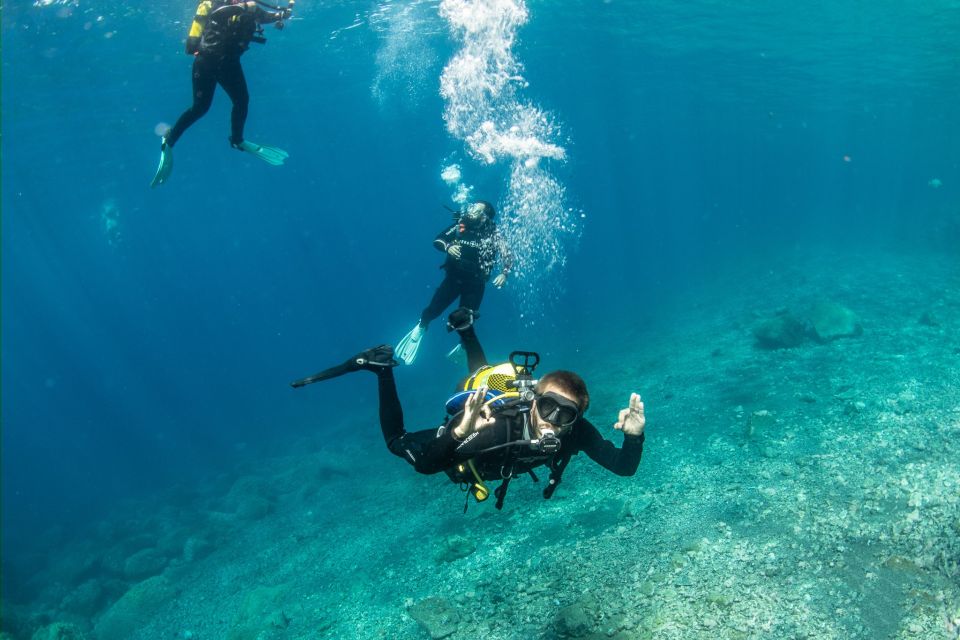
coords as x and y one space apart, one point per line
455 547
84 600
140 603
59 631
830 321
781 332
250 498
260 615
143 564
929 319
437 616
578 619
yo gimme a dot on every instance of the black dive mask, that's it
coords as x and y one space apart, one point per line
559 411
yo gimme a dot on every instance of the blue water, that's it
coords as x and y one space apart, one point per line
149 335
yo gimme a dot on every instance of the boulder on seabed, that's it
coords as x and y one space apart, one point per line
783 331
830 321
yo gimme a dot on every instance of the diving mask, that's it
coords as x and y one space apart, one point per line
559 411
474 213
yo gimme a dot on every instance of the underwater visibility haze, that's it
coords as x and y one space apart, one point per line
748 213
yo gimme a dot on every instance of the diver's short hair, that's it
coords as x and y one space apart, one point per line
570 383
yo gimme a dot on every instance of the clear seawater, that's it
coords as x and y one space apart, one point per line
670 174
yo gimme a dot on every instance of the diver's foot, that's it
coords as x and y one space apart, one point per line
376 359
461 319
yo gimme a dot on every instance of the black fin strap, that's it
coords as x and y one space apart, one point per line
501 492
556 474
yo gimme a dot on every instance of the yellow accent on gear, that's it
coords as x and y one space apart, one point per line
203 10
494 378
478 489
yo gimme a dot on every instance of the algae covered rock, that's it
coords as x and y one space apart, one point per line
143 564
830 321
262 612
437 616
250 498
577 620
196 547
454 548
58 631
140 603
780 332
84 600
760 423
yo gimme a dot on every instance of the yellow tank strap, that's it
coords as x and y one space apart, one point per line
480 491
203 10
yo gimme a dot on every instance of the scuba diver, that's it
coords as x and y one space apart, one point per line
471 245
503 423
221 31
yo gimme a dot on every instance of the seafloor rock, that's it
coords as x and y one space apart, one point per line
930 319
129 613
250 498
58 631
455 547
759 424
830 321
780 332
84 600
143 564
262 611
578 619
196 547
437 616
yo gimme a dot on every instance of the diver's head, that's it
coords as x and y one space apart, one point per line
477 213
560 399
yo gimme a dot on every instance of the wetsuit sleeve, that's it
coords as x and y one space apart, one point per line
266 17
445 238
199 24
623 461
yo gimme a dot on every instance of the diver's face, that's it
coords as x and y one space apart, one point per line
474 212
540 424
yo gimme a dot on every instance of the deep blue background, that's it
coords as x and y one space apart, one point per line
696 133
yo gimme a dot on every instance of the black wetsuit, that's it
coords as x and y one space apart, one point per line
467 276
221 32
435 450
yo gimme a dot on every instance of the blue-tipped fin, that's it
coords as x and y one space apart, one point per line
165 168
410 344
270 155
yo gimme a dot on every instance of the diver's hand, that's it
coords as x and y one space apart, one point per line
455 251
500 280
475 415
631 420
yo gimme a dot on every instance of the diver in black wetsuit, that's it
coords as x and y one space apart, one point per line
472 247
221 31
482 441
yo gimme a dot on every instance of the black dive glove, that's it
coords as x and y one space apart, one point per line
461 319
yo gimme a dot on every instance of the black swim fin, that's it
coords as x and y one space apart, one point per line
373 359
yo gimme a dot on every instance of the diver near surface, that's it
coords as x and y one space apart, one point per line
497 435
472 246
221 31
